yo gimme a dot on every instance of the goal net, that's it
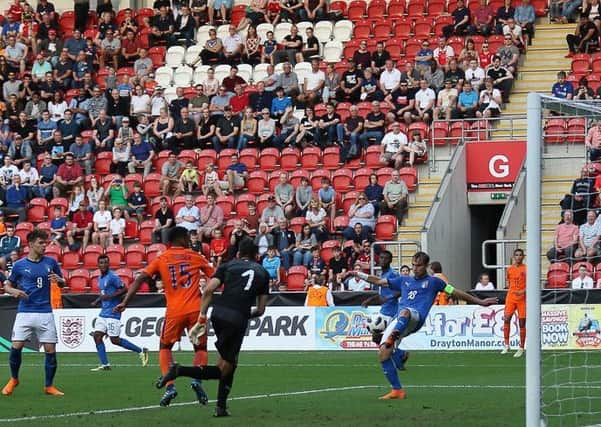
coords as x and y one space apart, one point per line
563 361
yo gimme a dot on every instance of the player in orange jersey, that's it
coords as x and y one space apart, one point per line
442 298
516 300
179 268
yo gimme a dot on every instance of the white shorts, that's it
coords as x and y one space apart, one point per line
109 326
40 324
411 327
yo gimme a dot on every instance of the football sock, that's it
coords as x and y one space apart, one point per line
391 374
128 345
401 324
506 329
397 357
101 350
165 360
225 385
522 336
200 372
201 358
50 368
14 360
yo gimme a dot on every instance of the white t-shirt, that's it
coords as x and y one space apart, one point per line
231 43
102 220
447 51
423 97
313 217
393 142
7 173
29 178
475 77
490 286
517 31
157 102
57 111
357 285
117 226
315 79
485 98
389 79
211 178
140 104
586 283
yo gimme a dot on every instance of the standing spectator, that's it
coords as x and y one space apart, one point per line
393 145
271 263
284 241
461 20
482 21
525 16
588 246
163 221
189 215
211 218
395 196
319 295
68 175
566 239
593 141
585 38
583 280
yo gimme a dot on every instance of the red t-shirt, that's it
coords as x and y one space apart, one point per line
83 219
218 246
239 103
69 173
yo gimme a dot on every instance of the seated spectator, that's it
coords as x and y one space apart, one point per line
24 128
443 53
525 17
233 47
361 212
467 103
163 221
280 103
77 195
16 199
20 151
482 21
189 215
266 129
290 126
562 89
117 194
236 175
354 284
305 241
117 227
183 28
226 130
467 54
318 294
509 54
455 74
142 154
15 54
503 15
162 27
303 196
103 133
170 172
586 38
270 47
327 198
284 195
313 10
58 226
9 243
255 15
120 160
239 101
316 218
271 263
272 214
82 153
402 103
374 126
461 20
490 100
350 84
446 101
501 77
393 145
136 203
224 7
189 180
211 218
583 91
206 129
260 99
69 128
238 234
583 280
309 49
423 57
331 134
434 75
390 78
47 172
484 283
102 220
515 31
213 50
396 196
110 49
184 133
475 75
81 229
292 47
30 179
290 10
369 86
379 58
284 242
351 130
67 176
288 80
308 129
424 102
94 194
317 266
417 147
337 268
263 239
566 239
593 141
588 247
313 85
218 248
374 193
7 172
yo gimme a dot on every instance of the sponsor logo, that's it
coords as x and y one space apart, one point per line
347 330
72 330
588 333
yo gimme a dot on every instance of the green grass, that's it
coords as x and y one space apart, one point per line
444 389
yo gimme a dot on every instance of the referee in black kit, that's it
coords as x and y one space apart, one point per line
245 282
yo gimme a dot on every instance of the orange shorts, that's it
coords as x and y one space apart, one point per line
515 304
174 327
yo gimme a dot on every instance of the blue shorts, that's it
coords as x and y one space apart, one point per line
218 3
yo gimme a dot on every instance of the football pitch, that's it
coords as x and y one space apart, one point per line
277 389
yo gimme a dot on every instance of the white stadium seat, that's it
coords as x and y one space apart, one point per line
183 76
302 28
200 74
170 93
221 71
263 29
192 54
245 71
163 76
223 30
343 31
202 35
281 31
302 69
332 52
323 31
279 68
175 56
259 72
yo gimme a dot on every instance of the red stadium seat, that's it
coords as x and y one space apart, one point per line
382 30
340 222
348 200
250 157
225 158
296 278
186 156
37 209
200 201
372 156
226 203
558 275
327 249
596 62
152 185
229 226
242 204
135 256
342 180
317 176
154 251
90 256
310 158
22 229
157 55
576 130
103 162
386 227
71 260
362 29
206 157
555 131
296 224
61 202
403 26
409 175
79 281
581 63
396 10
94 276
415 8
131 179
361 179
458 132
269 159
116 255
132 230
338 6
297 175
126 275
257 182
356 10
146 229
436 7
262 202
273 180
376 9
331 158
289 159
422 27
54 251
384 175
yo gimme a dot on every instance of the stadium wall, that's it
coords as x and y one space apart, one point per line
447 233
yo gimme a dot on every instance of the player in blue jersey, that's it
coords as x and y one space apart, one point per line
29 282
388 298
417 296
109 321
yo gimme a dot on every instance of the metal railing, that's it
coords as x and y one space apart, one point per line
401 249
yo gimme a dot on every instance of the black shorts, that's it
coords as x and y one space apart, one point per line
229 338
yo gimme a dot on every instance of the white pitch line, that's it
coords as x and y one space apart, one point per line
273 365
